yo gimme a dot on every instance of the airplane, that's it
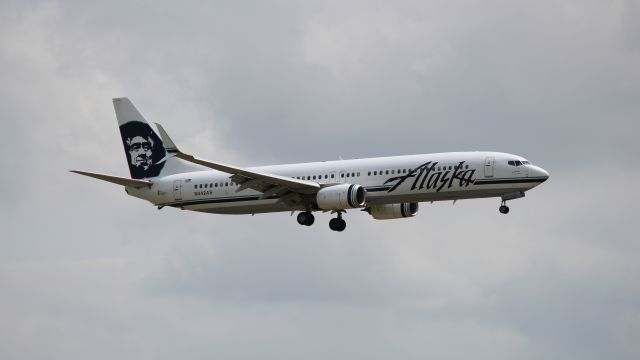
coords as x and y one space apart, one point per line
384 187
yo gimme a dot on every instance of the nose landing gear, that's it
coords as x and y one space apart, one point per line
509 196
504 209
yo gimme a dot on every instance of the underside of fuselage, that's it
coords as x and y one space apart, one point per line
255 205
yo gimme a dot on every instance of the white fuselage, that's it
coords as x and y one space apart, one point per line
387 180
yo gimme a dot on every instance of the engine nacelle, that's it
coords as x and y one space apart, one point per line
340 197
393 211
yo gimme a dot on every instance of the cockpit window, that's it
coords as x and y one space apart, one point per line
517 162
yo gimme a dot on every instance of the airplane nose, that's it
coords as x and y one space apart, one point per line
540 172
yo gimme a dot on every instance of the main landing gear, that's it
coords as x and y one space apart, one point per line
503 207
306 218
336 224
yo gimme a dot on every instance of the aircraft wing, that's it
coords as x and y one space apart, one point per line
269 184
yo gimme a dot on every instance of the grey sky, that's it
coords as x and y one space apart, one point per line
88 272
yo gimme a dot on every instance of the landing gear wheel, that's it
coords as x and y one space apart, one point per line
504 209
306 218
332 224
337 224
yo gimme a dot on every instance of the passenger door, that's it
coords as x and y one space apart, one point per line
488 166
177 189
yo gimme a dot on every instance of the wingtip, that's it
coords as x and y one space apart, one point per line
169 145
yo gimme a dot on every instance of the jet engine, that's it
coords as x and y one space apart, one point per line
393 211
340 197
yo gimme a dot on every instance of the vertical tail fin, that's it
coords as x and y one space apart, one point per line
147 155
143 148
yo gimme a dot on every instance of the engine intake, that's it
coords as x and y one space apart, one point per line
393 211
340 197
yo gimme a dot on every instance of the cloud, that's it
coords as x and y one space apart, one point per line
89 272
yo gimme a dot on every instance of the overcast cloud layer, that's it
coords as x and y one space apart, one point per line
88 272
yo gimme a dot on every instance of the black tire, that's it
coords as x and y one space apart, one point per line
305 218
504 209
341 225
310 219
332 224
302 218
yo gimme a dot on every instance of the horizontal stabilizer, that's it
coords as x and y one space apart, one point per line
116 179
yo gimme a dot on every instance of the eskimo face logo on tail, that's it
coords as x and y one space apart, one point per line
144 149
430 177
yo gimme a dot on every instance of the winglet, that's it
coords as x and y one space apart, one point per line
169 145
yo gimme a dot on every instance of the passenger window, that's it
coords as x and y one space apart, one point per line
387 172
342 175
375 173
347 174
314 177
369 173
391 172
358 174
332 176
326 176
466 166
353 174
226 184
